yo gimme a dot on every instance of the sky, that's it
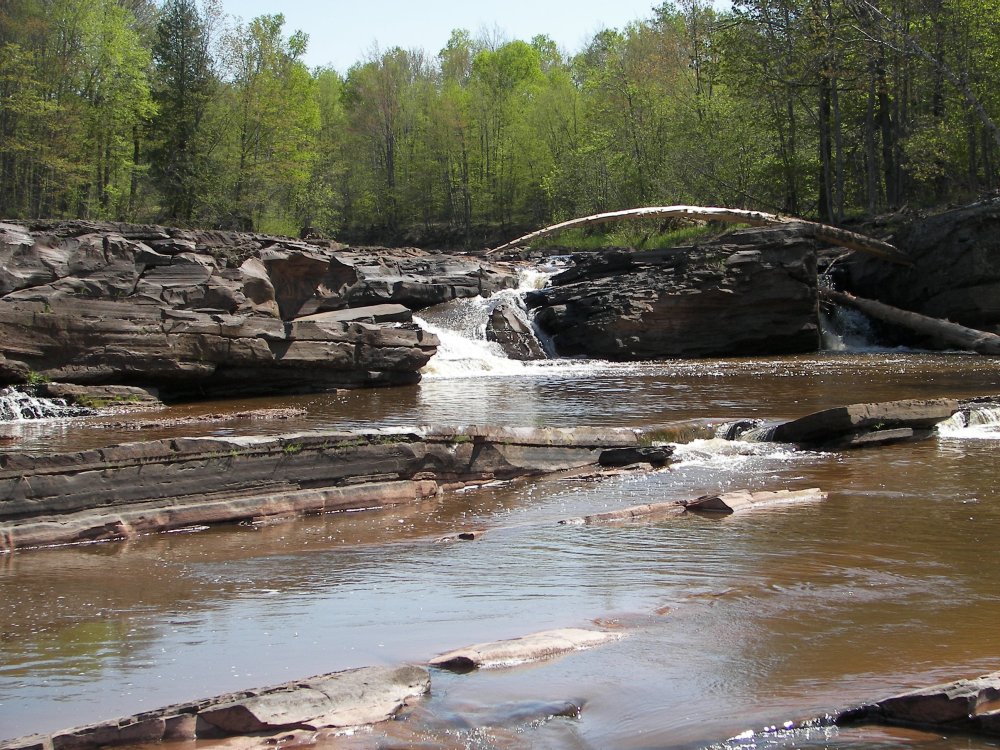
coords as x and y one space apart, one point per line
343 32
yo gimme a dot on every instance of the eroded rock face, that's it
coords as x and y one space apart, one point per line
155 485
955 273
217 313
751 292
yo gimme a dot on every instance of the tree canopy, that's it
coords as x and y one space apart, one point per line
131 110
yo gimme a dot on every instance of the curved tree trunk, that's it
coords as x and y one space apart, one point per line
821 232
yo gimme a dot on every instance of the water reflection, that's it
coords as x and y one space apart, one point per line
730 623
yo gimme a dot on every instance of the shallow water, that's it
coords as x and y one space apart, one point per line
729 624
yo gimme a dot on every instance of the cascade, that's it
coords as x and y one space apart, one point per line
845 330
18 406
461 327
978 421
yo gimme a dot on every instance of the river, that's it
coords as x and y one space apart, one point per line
728 624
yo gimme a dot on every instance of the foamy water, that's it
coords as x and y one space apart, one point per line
980 423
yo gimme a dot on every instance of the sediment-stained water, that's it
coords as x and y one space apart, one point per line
730 624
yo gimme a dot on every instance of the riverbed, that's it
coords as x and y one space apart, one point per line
729 624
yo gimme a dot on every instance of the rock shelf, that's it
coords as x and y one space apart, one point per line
136 488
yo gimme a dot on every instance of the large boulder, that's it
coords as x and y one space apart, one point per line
217 313
956 267
752 292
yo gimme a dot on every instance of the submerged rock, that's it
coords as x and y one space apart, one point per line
355 697
646 512
751 292
521 650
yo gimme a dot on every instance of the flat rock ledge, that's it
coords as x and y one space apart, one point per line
523 650
356 697
135 488
862 425
724 503
970 706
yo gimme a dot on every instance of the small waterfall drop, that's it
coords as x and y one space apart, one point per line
20 406
846 330
980 422
461 324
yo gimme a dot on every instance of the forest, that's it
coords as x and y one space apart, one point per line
173 112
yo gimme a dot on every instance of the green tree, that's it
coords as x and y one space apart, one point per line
273 116
184 86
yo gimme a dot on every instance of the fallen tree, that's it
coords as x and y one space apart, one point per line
822 232
944 331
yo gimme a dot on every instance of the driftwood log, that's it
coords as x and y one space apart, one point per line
948 333
821 232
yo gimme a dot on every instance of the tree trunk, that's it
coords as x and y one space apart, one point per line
944 331
821 232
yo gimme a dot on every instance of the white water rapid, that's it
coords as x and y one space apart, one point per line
461 327
846 330
18 406
977 423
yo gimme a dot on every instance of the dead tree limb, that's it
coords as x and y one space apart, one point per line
822 232
948 333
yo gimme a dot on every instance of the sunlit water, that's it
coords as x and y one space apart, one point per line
730 624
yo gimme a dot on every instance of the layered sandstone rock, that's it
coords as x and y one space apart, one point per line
858 425
752 292
217 313
968 706
352 698
135 488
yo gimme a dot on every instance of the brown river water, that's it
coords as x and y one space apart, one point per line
729 624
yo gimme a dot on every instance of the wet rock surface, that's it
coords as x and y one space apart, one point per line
752 292
969 705
202 313
859 425
135 488
521 650
513 333
741 501
351 698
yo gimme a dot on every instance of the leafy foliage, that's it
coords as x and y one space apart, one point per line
122 109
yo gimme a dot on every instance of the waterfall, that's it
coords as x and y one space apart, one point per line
20 406
976 421
843 330
461 324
